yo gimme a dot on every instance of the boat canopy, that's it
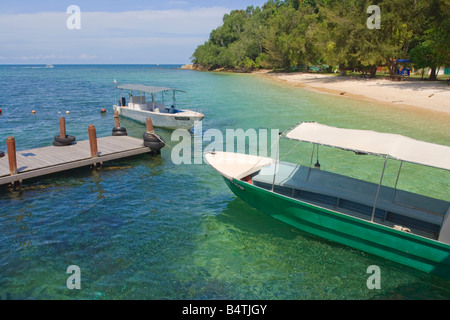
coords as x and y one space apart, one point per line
148 89
370 142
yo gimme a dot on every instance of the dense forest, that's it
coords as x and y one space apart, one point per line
328 35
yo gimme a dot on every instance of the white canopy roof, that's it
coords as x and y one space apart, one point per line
148 89
383 144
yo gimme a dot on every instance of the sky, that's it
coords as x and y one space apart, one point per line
108 31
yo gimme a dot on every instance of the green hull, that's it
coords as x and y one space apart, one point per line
405 248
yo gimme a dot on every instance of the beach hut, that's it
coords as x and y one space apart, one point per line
404 71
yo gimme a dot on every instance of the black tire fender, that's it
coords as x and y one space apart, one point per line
154 146
61 144
153 141
67 140
152 137
115 129
119 133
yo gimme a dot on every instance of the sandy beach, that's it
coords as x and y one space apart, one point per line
431 96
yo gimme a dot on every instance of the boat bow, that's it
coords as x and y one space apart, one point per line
236 165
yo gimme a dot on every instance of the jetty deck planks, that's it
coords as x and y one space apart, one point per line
42 161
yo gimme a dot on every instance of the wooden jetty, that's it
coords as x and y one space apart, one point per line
18 166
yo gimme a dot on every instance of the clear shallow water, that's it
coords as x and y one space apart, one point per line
145 228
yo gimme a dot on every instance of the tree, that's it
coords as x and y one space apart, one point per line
206 55
277 44
297 33
423 56
400 24
433 49
289 37
350 44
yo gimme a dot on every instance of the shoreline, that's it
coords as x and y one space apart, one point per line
421 95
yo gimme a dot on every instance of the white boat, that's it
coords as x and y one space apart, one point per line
164 114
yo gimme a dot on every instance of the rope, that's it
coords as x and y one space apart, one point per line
290 150
160 139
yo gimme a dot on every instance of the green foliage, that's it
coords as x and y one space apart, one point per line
433 47
300 33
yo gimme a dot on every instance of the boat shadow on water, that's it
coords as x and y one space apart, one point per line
239 215
315 262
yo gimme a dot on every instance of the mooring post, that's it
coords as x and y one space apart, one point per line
149 124
11 149
62 127
116 119
93 141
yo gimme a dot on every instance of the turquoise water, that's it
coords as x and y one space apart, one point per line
145 228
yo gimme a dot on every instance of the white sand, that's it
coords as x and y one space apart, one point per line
434 96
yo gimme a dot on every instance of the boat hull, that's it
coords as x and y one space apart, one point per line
404 248
183 120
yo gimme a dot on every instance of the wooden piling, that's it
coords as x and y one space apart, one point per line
62 127
11 149
116 119
149 124
93 141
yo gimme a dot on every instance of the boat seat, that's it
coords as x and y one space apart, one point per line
338 190
137 99
138 106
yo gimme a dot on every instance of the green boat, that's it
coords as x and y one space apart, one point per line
398 225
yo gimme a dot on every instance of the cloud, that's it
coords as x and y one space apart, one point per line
133 35
85 56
